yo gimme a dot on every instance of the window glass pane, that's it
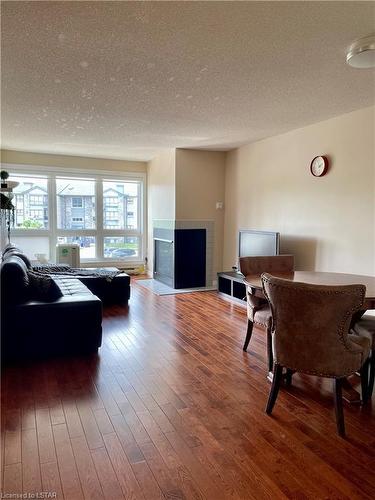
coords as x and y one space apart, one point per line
32 245
119 248
86 243
31 203
75 204
120 205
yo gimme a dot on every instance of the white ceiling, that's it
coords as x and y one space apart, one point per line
126 79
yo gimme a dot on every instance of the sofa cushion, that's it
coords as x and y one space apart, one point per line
71 287
43 287
14 281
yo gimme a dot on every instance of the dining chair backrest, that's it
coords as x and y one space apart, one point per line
268 264
311 325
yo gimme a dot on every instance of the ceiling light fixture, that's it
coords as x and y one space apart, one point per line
361 53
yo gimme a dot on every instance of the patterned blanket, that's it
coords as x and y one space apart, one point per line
72 272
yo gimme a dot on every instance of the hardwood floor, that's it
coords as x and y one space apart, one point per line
173 408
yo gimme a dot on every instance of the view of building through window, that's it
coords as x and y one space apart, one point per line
75 204
31 202
65 210
120 205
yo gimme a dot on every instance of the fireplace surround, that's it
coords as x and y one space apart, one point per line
183 253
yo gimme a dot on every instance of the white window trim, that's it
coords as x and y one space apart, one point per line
103 175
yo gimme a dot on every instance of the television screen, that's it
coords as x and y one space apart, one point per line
256 243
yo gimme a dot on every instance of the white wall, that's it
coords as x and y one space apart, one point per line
161 199
65 161
327 222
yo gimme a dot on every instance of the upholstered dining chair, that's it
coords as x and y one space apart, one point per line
366 328
258 309
310 334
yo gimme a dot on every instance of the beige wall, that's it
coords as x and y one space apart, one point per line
185 185
64 161
161 182
327 222
200 178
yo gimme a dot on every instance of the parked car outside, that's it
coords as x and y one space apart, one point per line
120 253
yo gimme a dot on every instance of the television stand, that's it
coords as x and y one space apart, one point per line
231 285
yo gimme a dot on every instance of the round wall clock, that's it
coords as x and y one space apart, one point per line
319 166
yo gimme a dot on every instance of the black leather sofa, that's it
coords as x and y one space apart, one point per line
113 290
71 323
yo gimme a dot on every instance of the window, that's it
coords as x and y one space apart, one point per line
72 208
120 195
37 199
110 201
87 245
19 201
36 214
103 215
76 202
121 248
30 199
111 215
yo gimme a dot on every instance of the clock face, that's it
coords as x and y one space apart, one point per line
319 166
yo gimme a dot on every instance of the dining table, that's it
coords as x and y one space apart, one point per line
254 282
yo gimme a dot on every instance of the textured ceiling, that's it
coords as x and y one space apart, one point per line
126 79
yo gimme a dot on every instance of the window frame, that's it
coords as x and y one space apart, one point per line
99 176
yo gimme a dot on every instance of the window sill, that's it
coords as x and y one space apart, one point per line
120 264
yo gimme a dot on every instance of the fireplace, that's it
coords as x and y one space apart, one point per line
180 257
164 261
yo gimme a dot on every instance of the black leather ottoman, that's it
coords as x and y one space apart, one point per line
109 291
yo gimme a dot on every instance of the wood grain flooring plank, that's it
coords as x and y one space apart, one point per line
56 411
122 467
199 475
91 429
31 478
129 444
107 476
103 421
51 482
177 471
12 437
147 483
86 470
12 483
67 466
45 437
72 418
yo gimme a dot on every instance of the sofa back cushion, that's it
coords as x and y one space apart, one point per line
14 281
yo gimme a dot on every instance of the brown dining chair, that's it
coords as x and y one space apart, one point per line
366 328
310 334
258 310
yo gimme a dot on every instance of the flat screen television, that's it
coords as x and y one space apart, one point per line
257 243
